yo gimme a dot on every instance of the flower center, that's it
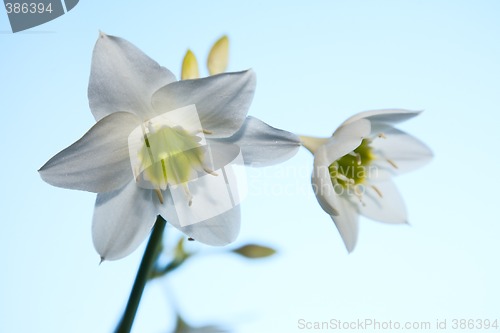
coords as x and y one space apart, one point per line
169 149
353 168
170 156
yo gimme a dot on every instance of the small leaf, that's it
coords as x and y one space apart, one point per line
180 253
218 56
254 251
190 67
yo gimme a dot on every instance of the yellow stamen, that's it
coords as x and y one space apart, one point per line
392 163
159 194
352 168
344 178
377 190
211 172
189 196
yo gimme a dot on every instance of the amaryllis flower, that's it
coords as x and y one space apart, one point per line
353 169
162 146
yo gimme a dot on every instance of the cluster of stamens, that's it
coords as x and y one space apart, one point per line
171 156
351 171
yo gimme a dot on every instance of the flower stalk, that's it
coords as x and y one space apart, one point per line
148 260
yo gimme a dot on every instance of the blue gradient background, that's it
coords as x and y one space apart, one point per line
317 63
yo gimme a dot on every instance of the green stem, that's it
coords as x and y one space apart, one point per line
148 260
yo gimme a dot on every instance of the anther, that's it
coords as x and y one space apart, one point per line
392 163
159 194
377 190
358 157
344 178
189 196
211 172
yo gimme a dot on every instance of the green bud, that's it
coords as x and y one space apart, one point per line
254 251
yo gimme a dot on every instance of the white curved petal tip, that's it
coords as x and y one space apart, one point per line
347 223
400 152
122 221
97 162
264 145
349 247
123 78
388 116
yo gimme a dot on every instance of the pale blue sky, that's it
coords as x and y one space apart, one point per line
317 63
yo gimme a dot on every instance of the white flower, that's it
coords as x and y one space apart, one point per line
353 169
188 129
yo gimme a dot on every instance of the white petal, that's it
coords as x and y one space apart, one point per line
341 210
205 203
222 153
263 145
222 101
347 223
345 139
122 220
388 116
217 231
322 183
99 161
400 152
123 78
383 203
358 129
